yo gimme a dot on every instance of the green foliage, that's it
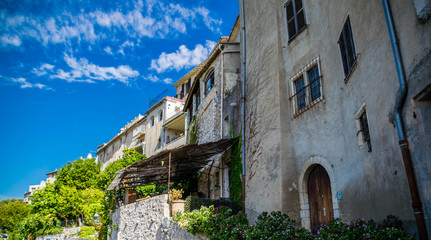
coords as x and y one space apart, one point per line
236 167
80 174
236 171
146 190
11 212
88 233
44 201
225 225
275 225
36 225
106 176
363 229
194 131
193 203
6 201
222 223
197 220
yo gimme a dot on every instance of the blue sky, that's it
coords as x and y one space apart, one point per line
73 72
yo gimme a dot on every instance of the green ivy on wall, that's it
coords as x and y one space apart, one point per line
194 131
236 167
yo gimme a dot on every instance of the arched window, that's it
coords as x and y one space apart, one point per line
209 82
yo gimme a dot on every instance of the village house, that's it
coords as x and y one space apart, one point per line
322 138
213 110
132 135
32 188
165 126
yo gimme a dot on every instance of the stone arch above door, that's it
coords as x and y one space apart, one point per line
303 190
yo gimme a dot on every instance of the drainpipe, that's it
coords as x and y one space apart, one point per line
243 102
399 103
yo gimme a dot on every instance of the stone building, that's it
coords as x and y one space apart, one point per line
212 109
321 84
32 188
132 135
165 129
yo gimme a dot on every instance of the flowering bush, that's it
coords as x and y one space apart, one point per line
221 223
276 225
363 229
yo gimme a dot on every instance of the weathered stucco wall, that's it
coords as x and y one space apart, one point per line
147 219
262 127
282 146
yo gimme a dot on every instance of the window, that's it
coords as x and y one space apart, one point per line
188 85
295 18
306 87
300 92
160 116
347 48
152 121
363 130
209 83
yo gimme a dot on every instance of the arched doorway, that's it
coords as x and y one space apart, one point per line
319 198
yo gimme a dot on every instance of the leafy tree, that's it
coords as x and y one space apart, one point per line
81 174
44 201
11 213
130 156
6 201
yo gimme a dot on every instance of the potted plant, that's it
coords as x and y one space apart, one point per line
177 204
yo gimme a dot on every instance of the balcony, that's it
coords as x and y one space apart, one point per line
139 132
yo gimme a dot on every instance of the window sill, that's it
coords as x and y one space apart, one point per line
299 33
299 112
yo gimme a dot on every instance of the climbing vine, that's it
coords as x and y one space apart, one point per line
236 167
194 131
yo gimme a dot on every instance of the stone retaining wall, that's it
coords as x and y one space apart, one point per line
68 233
147 219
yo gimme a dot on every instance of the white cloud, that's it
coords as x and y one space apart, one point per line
108 50
154 19
7 39
25 84
182 58
84 71
43 69
153 78
167 80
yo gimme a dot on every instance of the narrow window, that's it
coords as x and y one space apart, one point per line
152 121
209 83
363 122
347 48
160 116
300 93
314 79
295 18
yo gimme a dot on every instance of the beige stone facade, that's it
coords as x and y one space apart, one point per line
290 129
131 135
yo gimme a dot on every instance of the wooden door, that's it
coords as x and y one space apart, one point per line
320 198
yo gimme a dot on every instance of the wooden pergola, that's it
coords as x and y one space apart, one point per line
170 165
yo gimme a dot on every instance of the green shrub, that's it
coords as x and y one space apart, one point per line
363 229
224 225
88 232
193 203
275 225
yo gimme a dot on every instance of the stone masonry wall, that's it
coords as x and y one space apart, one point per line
147 219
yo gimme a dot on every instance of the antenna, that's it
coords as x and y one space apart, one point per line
157 98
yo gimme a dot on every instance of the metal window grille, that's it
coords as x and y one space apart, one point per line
347 48
363 121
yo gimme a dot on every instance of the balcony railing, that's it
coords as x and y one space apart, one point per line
139 132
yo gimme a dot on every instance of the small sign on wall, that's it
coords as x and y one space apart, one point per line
339 195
